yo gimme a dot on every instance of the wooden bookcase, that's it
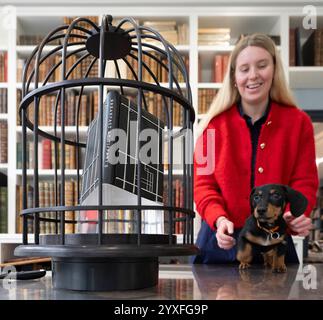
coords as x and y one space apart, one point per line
40 20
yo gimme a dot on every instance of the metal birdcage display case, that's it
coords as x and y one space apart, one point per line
75 60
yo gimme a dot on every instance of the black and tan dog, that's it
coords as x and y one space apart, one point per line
265 229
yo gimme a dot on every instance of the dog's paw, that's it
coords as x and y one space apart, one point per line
244 266
268 265
280 269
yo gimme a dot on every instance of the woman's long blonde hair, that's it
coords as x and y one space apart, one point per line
229 94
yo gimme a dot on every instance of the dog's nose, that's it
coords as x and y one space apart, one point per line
261 211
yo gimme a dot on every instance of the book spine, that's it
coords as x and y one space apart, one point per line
89 153
317 48
218 68
3 142
111 122
3 209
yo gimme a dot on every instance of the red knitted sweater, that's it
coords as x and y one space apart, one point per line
222 168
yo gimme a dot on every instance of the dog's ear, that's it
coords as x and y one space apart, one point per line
251 199
297 201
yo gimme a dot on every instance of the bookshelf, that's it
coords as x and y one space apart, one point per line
3 130
305 76
39 20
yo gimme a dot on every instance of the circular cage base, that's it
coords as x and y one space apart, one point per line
104 274
119 263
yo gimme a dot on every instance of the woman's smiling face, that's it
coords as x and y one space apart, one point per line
254 74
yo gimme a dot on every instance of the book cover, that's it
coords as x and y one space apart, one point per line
120 158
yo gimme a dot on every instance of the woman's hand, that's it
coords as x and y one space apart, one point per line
301 225
224 228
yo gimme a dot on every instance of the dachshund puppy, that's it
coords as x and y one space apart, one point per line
266 228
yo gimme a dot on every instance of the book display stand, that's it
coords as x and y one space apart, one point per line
128 156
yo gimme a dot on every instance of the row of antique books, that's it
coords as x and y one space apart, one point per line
178 198
155 106
88 109
214 36
33 39
176 33
3 209
3 141
124 71
153 63
3 66
3 100
117 221
172 31
47 198
46 155
219 67
45 68
205 98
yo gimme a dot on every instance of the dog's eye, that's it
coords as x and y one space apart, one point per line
275 196
256 197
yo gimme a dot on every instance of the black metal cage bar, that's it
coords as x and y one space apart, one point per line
80 49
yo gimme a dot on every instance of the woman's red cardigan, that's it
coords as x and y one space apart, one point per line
222 168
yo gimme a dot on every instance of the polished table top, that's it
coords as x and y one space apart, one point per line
190 282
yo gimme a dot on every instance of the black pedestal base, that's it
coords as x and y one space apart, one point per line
119 263
104 274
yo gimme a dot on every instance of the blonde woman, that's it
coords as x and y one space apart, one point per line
253 134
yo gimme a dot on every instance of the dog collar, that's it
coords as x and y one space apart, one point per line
273 234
